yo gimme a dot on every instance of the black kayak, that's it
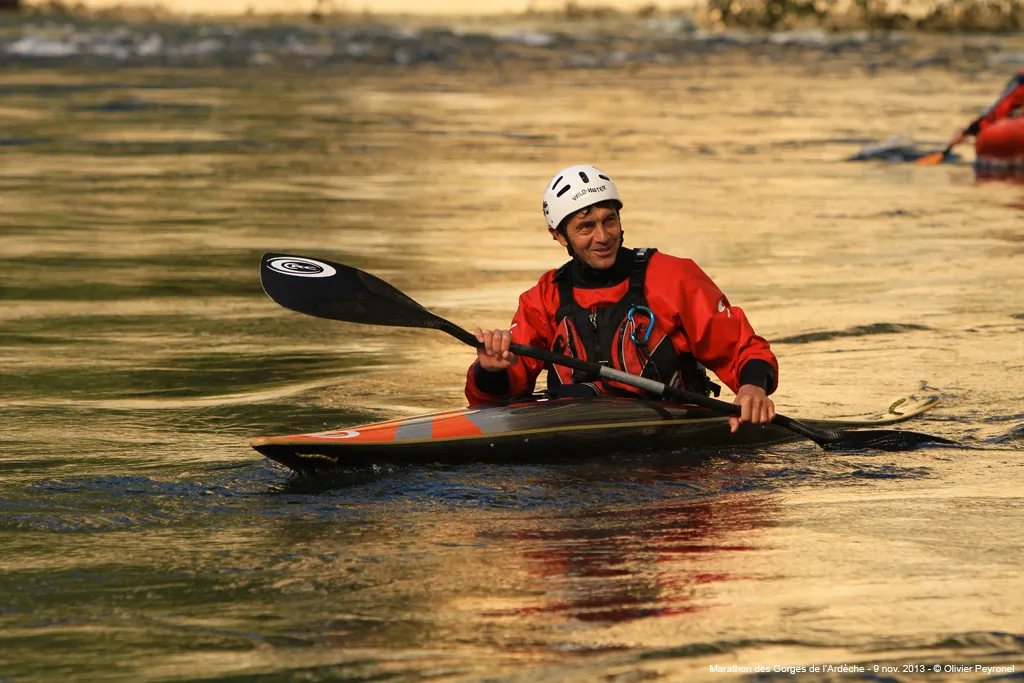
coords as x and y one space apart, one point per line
542 429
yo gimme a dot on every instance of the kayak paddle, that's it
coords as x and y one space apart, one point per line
939 157
325 289
936 157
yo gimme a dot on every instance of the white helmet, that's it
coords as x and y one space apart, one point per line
576 188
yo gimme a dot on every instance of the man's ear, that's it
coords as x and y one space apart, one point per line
558 237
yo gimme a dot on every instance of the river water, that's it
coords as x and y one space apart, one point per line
145 169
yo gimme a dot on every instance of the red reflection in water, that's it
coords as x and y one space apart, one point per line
1014 176
645 567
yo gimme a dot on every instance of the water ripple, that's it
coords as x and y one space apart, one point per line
856 331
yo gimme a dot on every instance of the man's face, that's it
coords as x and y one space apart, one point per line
594 235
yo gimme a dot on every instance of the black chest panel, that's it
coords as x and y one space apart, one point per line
617 335
597 326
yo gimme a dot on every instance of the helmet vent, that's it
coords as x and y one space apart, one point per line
604 177
562 191
583 177
557 180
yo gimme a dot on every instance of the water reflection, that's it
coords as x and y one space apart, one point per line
609 568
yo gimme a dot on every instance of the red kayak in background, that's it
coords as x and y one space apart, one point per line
1000 146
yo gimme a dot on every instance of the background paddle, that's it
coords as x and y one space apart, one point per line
939 157
936 157
333 290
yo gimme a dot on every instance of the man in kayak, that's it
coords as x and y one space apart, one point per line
636 310
1009 105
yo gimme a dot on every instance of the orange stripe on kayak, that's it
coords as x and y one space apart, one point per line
384 432
455 425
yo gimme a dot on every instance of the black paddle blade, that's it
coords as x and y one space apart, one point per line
331 290
862 439
881 440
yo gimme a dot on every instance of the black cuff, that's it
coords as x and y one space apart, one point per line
759 373
494 383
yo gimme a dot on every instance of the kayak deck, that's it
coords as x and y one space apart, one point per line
538 430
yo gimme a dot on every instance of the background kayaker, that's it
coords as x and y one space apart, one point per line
637 310
1009 105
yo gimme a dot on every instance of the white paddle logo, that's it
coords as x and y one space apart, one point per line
300 267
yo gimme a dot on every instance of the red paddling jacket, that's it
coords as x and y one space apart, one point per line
650 314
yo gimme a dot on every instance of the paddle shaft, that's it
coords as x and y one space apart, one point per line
939 157
651 386
605 372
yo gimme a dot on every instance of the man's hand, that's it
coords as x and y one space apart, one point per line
755 407
495 356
